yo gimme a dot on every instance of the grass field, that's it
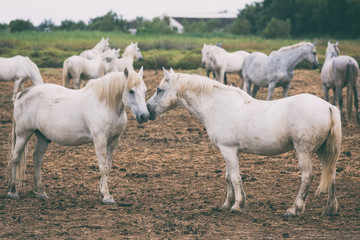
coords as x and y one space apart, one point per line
50 49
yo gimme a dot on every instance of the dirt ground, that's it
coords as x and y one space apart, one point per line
168 183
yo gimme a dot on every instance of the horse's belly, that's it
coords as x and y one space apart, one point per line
266 149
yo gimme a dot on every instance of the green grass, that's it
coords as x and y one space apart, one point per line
50 49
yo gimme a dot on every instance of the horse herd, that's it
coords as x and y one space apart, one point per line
235 121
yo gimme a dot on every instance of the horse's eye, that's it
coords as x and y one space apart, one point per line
131 92
158 90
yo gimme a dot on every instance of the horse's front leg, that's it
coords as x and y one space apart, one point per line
326 93
41 146
18 82
338 94
235 191
271 89
356 101
286 90
306 178
77 83
101 147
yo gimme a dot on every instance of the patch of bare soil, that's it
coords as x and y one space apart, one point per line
168 182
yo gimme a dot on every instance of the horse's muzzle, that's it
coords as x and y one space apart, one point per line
142 118
152 112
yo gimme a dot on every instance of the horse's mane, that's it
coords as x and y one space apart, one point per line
287 48
199 84
110 87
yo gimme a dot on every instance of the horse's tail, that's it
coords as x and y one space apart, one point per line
331 151
351 78
34 72
21 166
65 74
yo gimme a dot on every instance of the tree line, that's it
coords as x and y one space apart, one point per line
269 18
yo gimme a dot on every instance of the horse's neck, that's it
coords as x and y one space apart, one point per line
330 56
128 56
292 57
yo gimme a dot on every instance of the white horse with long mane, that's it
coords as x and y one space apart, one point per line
18 69
95 113
339 72
209 65
77 68
131 52
277 69
222 61
236 122
99 48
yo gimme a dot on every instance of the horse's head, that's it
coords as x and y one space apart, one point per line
134 51
311 56
332 50
103 45
165 97
205 51
133 95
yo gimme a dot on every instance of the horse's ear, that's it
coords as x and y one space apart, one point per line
329 43
136 43
126 72
118 50
107 39
141 72
102 39
336 44
171 71
314 44
166 75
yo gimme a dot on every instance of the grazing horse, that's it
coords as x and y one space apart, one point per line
205 60
19 69
339 72
132 51
99 48
277 69
78 68
223 61
94 114
236 122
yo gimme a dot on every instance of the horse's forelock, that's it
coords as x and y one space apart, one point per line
133 80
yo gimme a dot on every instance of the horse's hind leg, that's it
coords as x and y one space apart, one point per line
306 178
18 82
41 146
17 165
356 102
236 193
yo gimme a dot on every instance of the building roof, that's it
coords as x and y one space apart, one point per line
203 15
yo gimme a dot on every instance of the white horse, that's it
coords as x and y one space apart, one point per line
209 65
223 61
99 48
132 51
19 69
95 113
78 68
339 72
236 122
277 69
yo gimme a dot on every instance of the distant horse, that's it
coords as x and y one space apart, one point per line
94 114
78 68
223 61
339 72
277 69
209 65
99 48
236 122
19 69
132 51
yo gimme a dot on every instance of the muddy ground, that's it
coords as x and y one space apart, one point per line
168 183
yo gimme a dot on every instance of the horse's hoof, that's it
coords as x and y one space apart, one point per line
329 212
108 201
225 207
237 209
13 195
42 196
289 215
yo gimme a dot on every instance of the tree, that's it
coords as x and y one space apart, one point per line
240 26
70 25
277 28
108 22
19 25
46 24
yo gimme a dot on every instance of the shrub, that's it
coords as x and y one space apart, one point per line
277 28
19 25
240 26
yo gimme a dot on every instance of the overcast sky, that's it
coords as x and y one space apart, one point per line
38 10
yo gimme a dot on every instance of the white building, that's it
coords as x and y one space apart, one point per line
177 18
